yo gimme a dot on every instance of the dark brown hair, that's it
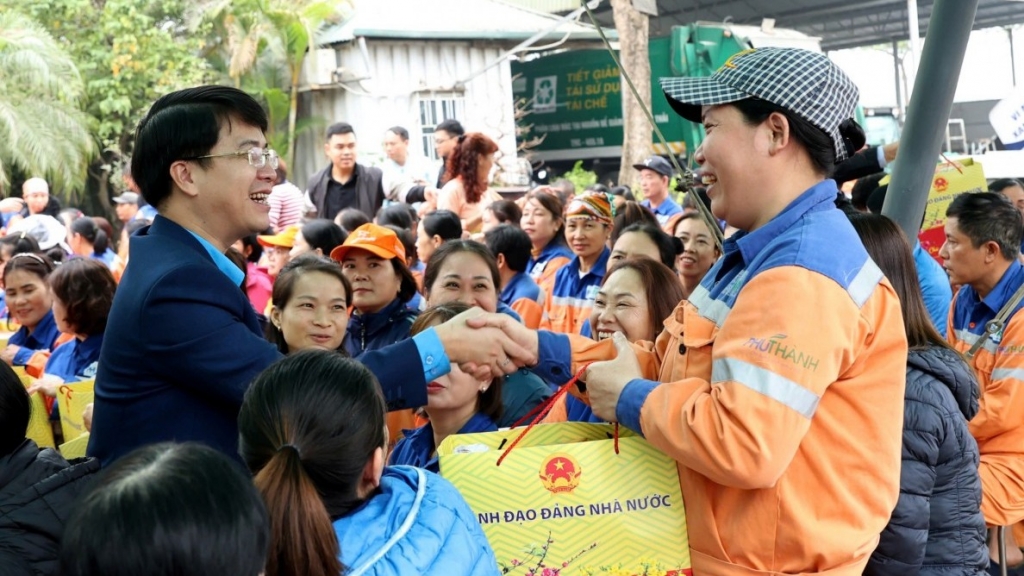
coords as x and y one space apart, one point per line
30 262
465 160
307 428
284 289
489 401
86 288
631 213
506 212
888 247
454 247
664 291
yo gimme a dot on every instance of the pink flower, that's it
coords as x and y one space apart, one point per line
549 572
516 562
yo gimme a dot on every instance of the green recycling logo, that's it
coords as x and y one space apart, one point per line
545 89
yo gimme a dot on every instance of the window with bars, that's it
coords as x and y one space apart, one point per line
434 109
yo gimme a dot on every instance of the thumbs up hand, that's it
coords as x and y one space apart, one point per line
606 380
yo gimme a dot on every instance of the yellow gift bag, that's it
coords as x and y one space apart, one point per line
39 429
75 448
73 398
563 500
951 179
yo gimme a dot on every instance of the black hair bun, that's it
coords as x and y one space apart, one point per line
853 136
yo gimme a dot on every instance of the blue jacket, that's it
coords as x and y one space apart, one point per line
42 338
935 288
182 344
417 523
937 526
74 360
520 286
416 448
380 329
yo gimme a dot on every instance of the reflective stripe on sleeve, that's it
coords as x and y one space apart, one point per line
766 382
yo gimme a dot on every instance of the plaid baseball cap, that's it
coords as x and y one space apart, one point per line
805 83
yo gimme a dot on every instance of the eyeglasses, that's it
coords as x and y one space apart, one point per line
258 157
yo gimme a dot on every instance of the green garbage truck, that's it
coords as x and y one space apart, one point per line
573 99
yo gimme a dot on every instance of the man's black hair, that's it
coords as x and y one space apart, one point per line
513 243
988 217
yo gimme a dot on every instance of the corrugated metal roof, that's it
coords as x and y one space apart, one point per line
839 23
547 5
451 20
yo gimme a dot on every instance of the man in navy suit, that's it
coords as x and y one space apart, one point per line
182 341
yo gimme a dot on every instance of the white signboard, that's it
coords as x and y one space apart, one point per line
1007 119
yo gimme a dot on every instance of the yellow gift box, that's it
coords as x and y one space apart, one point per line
564 500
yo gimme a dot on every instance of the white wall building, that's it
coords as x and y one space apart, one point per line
414 63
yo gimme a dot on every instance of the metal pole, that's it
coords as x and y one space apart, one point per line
1013 58
913 25
896 68
928 112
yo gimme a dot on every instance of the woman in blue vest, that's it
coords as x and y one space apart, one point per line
457 403
29 302
311 430
83 290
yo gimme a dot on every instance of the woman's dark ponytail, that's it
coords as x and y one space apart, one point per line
295 509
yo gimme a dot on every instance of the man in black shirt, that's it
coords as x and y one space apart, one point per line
345 183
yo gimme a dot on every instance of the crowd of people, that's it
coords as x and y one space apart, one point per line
275 368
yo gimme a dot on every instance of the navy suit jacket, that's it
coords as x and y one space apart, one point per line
182 345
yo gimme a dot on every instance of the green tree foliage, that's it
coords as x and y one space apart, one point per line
580 177
262 45
42 129
129 53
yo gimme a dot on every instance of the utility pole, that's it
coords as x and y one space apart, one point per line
633 28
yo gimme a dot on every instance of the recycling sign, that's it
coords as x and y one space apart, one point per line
545 89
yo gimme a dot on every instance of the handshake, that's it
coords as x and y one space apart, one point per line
488 345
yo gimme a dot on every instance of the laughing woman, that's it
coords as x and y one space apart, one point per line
29 301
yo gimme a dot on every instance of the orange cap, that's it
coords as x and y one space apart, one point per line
377 240
283 239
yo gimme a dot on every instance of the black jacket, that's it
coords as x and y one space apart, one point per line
861 164
380 329
38 491
937 526
369 190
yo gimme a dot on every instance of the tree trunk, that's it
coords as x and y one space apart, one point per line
632 27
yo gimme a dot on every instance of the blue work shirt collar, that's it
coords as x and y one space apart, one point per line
818 197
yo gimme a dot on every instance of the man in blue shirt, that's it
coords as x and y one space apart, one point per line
655 173
182 340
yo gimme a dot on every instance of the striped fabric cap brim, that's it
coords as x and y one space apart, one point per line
686 95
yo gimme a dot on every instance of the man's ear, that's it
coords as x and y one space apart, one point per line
991 252
182 176
778 124
500 260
